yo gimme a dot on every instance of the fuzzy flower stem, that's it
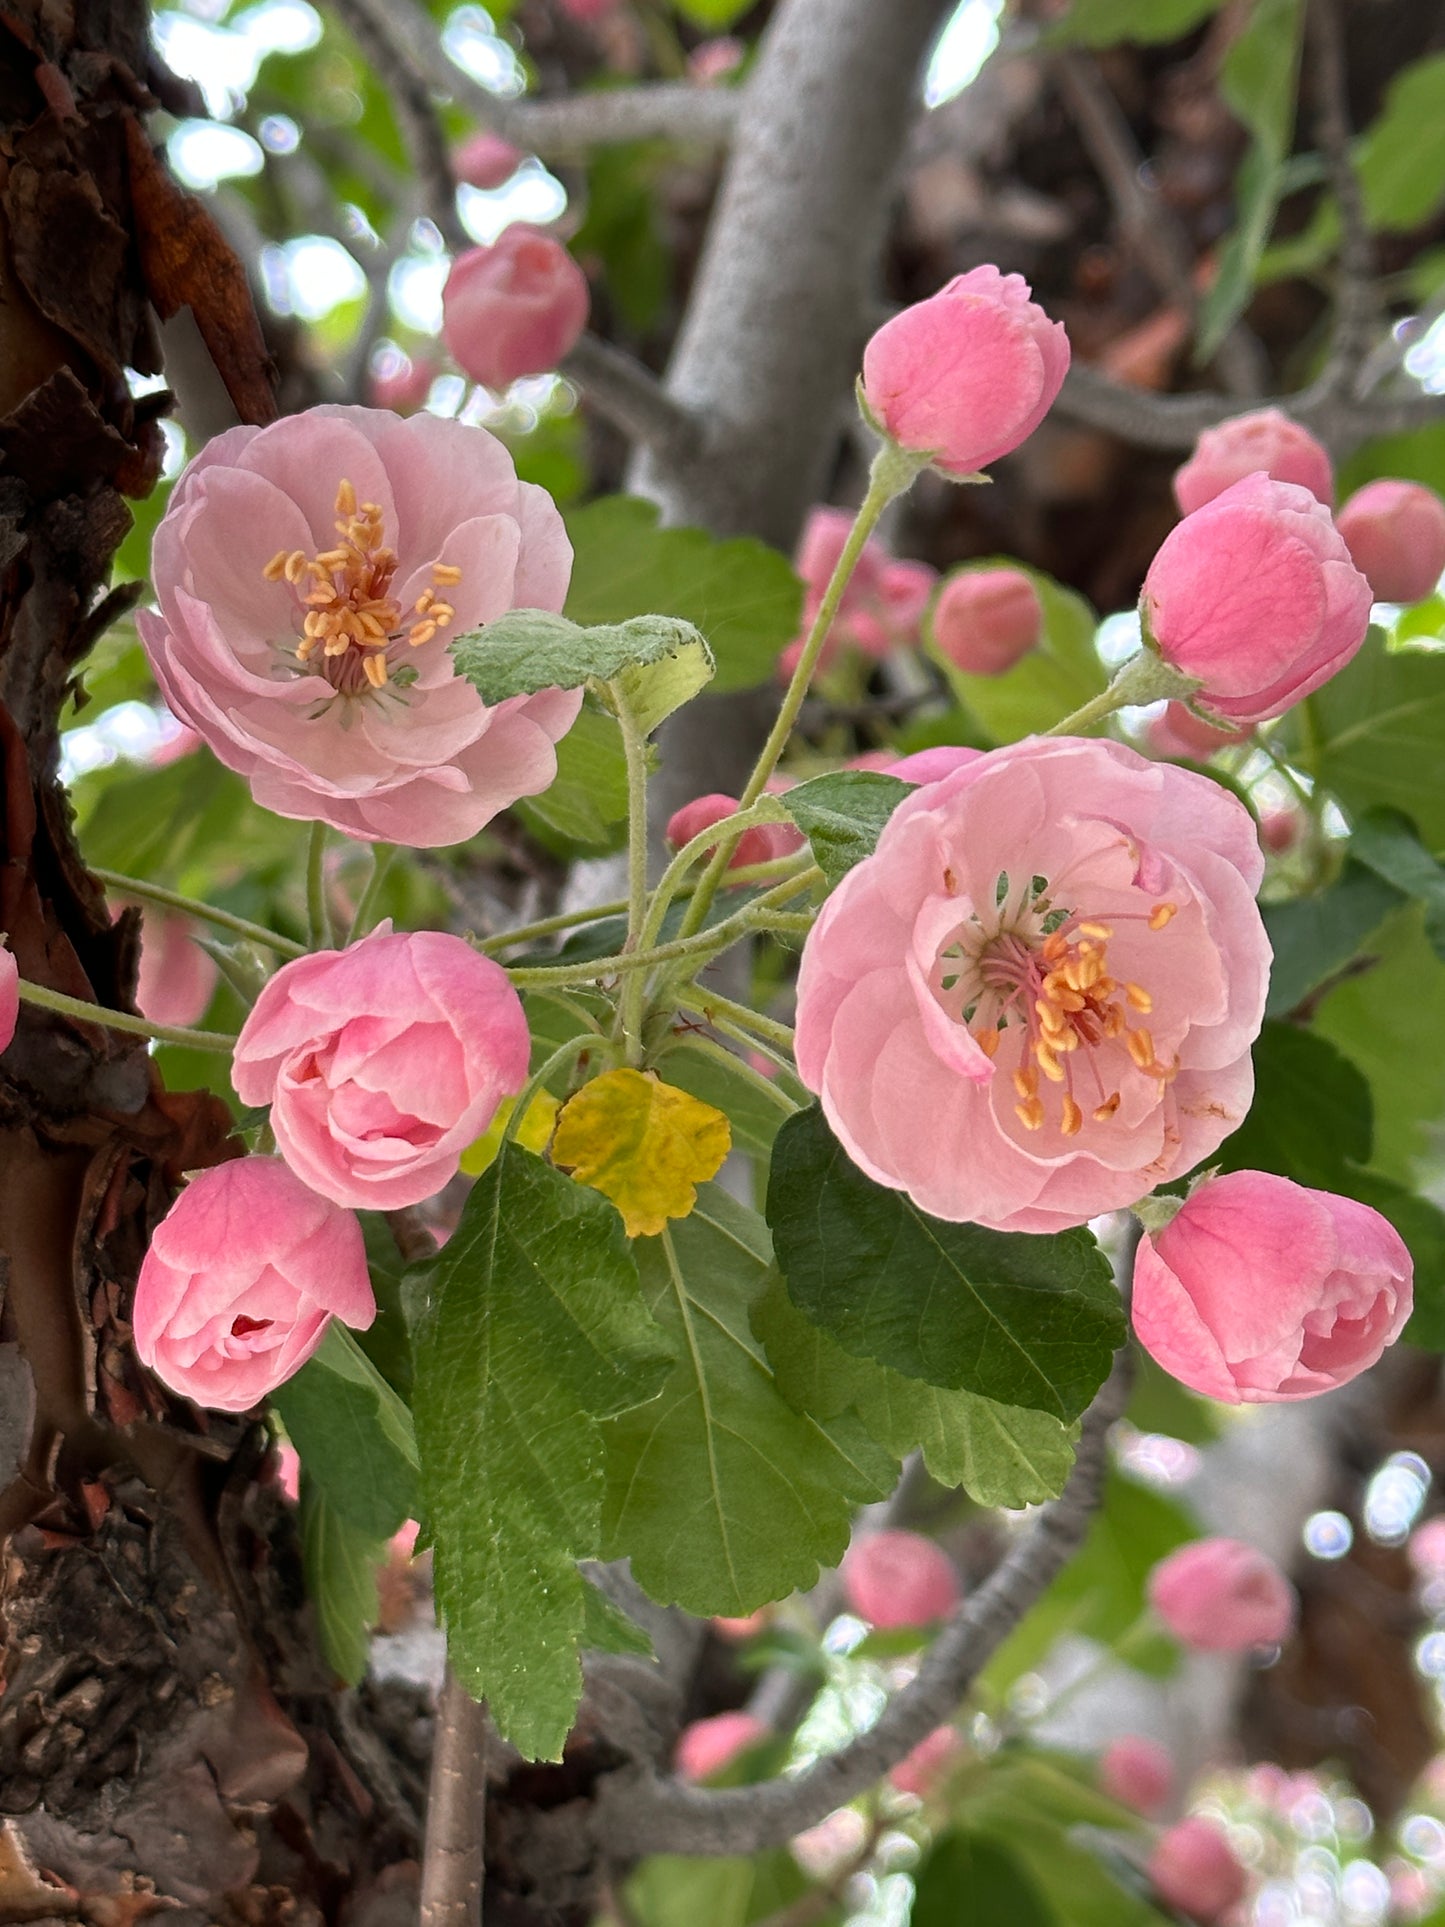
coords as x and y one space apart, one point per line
123 1020
202 912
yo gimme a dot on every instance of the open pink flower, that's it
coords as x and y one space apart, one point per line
1035 1001
382 1063
707 1746
310 576
1264 441
1195 1871
1221 1596
1395 532
9 995
244 1273
1260 1290
899 1579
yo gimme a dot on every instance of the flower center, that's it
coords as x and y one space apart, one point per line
242 1326
352 620
1041 975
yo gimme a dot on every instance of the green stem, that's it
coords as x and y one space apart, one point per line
123 1020
669 884
202 912
629 1009
709 1047
709 1004
560 1058
382 855
1145 678
316 911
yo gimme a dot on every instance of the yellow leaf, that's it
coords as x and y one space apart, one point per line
532 1133
642 1144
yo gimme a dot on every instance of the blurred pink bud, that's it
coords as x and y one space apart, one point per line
1395 532
713 60
1426 1549
751 1624
288 1470
1194 1870
968 374
1221 1596
176 976
1256 596
1138 1773
882 605
1279 830
920 1771
1261 1290
9 994
906 589
485 160
515 308
401 1547
826 1849
383 1062
401 384
1180 733
986 620
243 1276
588 10
899 1579
761 845
1266 441
707 1746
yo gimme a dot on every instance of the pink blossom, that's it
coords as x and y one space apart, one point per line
884 601
920 1771
182 741
761 845
707 1746
899 1579
401 384
514 308
714 60
485 160
1265 441
176 976
288 1470
1194 1870
990 893
931 765
1256 596
1426 1549
243 1276
439 537
968 374
1221 1596
748 1627
1395 532
1260 1290
986 620
382 1063
1178 732
1138 1773
1279 829
9 994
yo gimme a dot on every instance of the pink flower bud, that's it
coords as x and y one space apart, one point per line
1255 594
383 1062
1265 441
968 374
9 994
761 845
588 10
513 309
401 384
1194 1870
1221 1596
1180 733
906 588
1261 1290
1395 532
1279 830
899 1579
288 1470
920 1771
176 976
485 160
1138 1773
1426 1549
707 1746
244 1273
986 620
751 1624
714 60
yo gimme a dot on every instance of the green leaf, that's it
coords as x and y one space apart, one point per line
1051 682
656 662
1030 1321
340 1564
755 1118
714 15
607 1629
721 1495
843 814
742 595
1376 735
669 1890
1002 1455
1313 937
1389 844
966 1876
1311 1115
586 802
181 822
1259 80
534 1332
353 1435
1104 23
1401 157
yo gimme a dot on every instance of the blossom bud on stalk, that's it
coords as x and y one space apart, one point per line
514 308
1221 1596
761 845
899 1579
1265 441
1138 1773
1194 1870
986 620
1395 532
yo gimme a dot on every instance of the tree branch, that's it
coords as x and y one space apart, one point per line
1355 298
633 399
453 1870
639 1813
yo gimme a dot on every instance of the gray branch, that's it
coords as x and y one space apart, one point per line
453 1869
632 398
1355 291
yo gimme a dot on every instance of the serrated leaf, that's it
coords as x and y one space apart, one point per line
643 1144
843 815
1053 680
656 662
1031 1321
535 1331
1315 936
1311 1116
353 1436
1002 1455
1387 842
340 1564
742 595
721 1495
1376 735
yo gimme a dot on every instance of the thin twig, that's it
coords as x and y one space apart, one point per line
633 399
1355 295
454 1867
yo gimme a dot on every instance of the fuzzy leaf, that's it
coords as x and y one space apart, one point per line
656 662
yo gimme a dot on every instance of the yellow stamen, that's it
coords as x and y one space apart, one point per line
1052 1069
1140 1046
346 499
1102 931
446 575
1031 1114
276 567
1072 1121
1026 1081
374 669
1139 998
420 632
1161 913
1107 1109
987 1040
